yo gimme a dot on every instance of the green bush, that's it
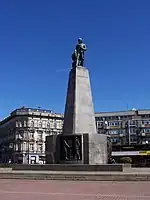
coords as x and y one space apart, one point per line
126 160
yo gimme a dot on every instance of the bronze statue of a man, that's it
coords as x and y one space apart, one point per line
78 54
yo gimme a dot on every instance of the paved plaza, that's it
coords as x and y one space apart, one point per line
65 190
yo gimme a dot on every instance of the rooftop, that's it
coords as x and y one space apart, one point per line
31 111
123 113
44 112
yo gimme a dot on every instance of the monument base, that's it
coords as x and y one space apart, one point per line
97 149
76 149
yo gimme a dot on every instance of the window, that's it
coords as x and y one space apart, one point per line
99 124
114 123
101 131
31 147
48 125
133 130
114 132
146 130
115 140
40 136
146 116
55 125
52 124
32 123
25 124
133 139
40 124
18 147
35 123
40 147
32 135
133 122
20 134
61 124
58 124
99 118
44 124
18 124
146 122
24 146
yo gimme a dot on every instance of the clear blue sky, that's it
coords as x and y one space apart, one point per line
37 39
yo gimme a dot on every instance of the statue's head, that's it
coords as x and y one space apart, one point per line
80 40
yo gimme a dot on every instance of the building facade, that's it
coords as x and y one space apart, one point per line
23 134
129 132
125 127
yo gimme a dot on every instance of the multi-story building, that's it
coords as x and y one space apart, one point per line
125 127
129 132
23 134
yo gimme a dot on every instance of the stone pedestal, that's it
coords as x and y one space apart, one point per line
92 149
79 143
79 111
97 149
50 149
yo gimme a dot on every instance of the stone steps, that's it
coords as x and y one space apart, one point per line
76 176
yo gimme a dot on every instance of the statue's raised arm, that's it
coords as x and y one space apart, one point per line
78 54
